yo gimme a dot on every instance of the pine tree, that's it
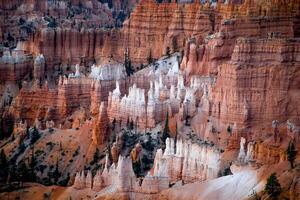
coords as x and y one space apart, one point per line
3 166
128 123
96 157
32 166
22 146
273 188
136 166
291 153
166 131
13 174
35 135
175 140
168 52
113 124
23 173
131 125
174 44
1 129
127 63
149 58
56 173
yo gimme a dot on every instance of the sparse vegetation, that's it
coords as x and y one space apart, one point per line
149 57
229 129
6 126
254 195
137 168
3 166
166 131
50 145
34 136
273 188
96 157
168 51
127 63
291 153
76 153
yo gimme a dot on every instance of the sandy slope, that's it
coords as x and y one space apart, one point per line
238 186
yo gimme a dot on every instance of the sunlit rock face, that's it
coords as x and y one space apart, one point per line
167 92
204 56
15 65
100 131
39 68
71 94
258 79
251 90
104 77
187 161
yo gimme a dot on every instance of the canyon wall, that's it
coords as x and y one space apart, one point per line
15 65
259 83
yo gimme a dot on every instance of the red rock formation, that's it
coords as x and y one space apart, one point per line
15 65
72 94
257 85
100 128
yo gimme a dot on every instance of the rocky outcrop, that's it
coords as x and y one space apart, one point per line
100 128
273 63
71 94
255 87
120 176
187 161
204 56
15 65
104 82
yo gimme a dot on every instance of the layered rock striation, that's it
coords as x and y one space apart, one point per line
188 162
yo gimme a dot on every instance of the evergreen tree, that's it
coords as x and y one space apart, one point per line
13 174
3 166
35 135
32 166
1 129
110 4
136 166
56 173
23 173
166 131
27 131
149 58
291 153
273 188
174 44
128 123
127 63
96 157
175 140
168 52
22 146
65 181
131 125
6 126
113 124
